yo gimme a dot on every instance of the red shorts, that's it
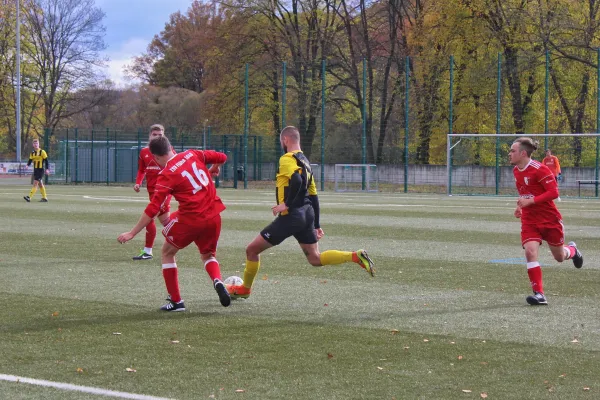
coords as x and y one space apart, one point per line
553 234
205 236
165 206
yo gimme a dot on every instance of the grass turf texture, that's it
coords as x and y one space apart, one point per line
438 318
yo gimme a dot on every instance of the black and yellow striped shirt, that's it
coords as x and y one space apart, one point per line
39 158
290 163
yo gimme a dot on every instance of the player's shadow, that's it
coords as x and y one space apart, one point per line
46 321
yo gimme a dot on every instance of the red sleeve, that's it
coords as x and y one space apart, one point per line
141 172
549 184
161 191
211 156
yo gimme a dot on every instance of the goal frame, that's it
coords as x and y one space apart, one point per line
366 182
450 146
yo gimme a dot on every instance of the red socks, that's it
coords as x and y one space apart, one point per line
171 281
150 234
535 276
212 269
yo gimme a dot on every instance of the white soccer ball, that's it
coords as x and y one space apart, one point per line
233 280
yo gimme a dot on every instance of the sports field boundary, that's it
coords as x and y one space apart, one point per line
77 388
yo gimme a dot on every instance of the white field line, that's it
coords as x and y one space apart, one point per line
360 205
77 388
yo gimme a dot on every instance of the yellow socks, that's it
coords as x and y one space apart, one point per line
250 272
333 257
43 190
32 191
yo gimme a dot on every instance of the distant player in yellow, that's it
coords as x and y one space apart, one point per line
39 158
298 215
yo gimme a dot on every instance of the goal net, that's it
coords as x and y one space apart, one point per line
477 164
356 178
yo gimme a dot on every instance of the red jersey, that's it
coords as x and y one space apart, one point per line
186 177
537 181
148 167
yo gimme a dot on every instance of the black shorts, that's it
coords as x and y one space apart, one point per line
299 222
38 174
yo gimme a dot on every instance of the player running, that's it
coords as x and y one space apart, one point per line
148 167
198 219
540 219
298 215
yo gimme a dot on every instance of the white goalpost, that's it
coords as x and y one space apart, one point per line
477 164
356 178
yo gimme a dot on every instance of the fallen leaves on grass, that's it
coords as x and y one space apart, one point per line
130 369
460 357
80 370
240 390
575 341
483 395
394 331
265 277
55 314
426 340
379 368
175 341
329 355
116 333
323 281
586 389
467 391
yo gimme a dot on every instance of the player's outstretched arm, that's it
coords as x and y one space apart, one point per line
141 224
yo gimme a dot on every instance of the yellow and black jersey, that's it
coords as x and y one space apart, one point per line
39 158
294 162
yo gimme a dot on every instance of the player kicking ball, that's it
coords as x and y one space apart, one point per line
186 177
297 213
540 219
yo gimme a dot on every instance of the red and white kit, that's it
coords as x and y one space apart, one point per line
542 220
198 219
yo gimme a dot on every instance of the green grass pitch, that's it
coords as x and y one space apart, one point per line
439 321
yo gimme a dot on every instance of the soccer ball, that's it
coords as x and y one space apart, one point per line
233 280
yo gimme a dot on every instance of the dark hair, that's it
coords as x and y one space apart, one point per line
160 146
527 144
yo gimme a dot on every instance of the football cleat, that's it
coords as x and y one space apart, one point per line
366 262
143 256
578 257
224 297
173 306
27 198
44 200
238 291
537 299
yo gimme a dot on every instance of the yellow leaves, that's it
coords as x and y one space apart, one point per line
55 314
79 370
